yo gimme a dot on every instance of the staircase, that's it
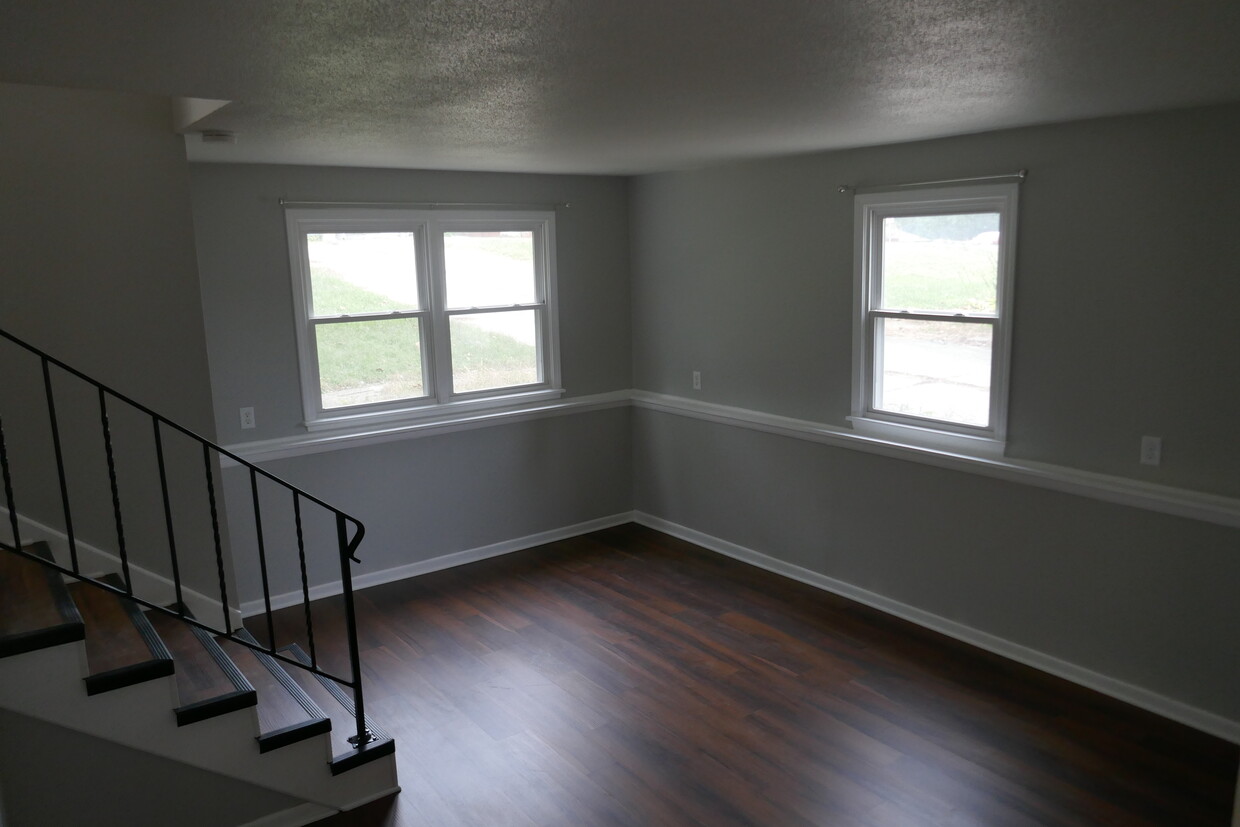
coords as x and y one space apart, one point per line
95 641
87 658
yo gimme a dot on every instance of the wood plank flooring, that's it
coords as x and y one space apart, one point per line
629 678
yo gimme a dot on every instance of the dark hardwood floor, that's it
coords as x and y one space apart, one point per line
629 678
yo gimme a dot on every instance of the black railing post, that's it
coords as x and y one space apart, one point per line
215 533
60 463
8 489
262 559
172 537
116 492
363 735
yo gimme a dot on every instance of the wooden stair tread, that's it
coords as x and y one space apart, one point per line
339 708
343 724
121 646
283 717
38 611
208 683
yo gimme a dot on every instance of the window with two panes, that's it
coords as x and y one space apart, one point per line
415 312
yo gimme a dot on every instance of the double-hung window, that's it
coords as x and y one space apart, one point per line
422 313
933 311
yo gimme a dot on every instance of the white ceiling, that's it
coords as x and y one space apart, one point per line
622 86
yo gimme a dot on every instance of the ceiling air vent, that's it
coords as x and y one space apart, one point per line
218 136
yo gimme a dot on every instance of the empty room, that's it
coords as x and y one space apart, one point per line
537 413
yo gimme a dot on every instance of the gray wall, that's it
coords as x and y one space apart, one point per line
99 269
98 242
1126 288
435 495
248 303
427 497
109 784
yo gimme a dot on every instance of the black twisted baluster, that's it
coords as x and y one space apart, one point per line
172 539
215 530
116 492
60 463
262 559
305 581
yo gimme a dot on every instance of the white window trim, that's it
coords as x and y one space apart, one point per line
428 226
869 210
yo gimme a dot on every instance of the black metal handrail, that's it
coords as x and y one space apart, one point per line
348 531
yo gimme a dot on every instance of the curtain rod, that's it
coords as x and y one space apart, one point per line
286 202
1019 174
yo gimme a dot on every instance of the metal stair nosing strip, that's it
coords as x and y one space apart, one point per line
318 724
242 696
383 744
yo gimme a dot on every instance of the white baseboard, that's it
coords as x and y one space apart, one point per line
94 561
250 608
1209 722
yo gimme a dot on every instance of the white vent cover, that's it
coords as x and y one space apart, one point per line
219 136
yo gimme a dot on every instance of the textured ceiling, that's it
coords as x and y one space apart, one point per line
622 86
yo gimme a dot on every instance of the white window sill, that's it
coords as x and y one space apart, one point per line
432 414
917 437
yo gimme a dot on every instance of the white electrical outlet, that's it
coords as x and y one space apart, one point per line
247 418
1151 450
697 380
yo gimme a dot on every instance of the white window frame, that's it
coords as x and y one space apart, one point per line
440 403
870 210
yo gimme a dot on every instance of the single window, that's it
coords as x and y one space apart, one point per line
404 313
932 326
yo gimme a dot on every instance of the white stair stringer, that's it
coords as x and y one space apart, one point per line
47 684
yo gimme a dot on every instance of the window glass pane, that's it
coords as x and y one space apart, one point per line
362 273
936 370
489 269
494 350
365 362
941 263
